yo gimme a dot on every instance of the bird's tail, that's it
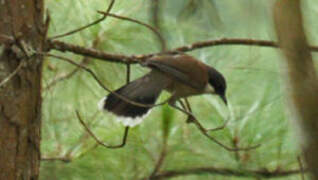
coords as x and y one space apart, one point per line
144 90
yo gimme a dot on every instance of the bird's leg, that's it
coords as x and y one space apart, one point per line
191 119
220 127
188 107
172 103
99 142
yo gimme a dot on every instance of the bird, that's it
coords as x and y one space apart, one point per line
181 75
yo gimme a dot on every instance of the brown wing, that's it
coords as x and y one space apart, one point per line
183 68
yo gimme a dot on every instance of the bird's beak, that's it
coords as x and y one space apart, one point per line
224 99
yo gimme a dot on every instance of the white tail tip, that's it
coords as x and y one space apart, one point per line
101 103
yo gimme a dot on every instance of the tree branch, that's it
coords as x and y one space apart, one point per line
90 52
133 59
224 172
155 7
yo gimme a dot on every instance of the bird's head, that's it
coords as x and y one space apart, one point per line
217 83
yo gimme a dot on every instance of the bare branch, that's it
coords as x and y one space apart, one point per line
84 62
205 131
90 52
226 41
163 153
99 142
86 26
225 172
133 59
155 18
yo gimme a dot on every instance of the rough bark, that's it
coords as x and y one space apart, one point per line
20 97
302 81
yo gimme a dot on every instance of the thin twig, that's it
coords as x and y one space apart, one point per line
205 132
220 127
226 41
11 75
86 26
84 62
155 8
99 141
160 161
189 120
69 154
224 172
154 30
66 76
162 156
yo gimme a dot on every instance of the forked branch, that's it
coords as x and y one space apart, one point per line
205 131
99 142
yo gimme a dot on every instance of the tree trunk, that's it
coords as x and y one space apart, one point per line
20 96
302 81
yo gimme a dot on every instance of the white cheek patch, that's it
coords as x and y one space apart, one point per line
209 89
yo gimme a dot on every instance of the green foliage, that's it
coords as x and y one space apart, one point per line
256 104
167 118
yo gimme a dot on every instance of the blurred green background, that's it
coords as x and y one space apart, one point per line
255 92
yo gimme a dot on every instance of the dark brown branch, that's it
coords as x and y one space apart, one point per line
90 52
163 154
86 26
226 41
225 172
160 161
132 59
